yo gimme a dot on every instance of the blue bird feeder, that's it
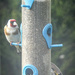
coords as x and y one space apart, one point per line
47 33
28 4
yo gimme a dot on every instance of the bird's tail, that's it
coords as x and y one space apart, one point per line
19 49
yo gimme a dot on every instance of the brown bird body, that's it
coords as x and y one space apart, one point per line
12 33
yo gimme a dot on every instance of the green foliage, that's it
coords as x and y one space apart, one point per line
10 61
64 32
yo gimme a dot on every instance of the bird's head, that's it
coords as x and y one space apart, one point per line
12 23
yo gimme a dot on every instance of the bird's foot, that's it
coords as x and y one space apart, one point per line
10 43
18 42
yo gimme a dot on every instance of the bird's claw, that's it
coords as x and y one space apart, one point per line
10 43
18 42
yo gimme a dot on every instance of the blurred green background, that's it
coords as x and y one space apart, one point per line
63 21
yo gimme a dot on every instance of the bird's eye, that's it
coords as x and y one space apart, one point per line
11 22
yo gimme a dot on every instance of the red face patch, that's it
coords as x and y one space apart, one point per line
11 22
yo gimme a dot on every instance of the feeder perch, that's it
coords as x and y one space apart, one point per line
47 33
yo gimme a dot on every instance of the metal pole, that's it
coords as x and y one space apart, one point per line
36 57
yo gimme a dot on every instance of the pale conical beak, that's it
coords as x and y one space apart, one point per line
14 23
